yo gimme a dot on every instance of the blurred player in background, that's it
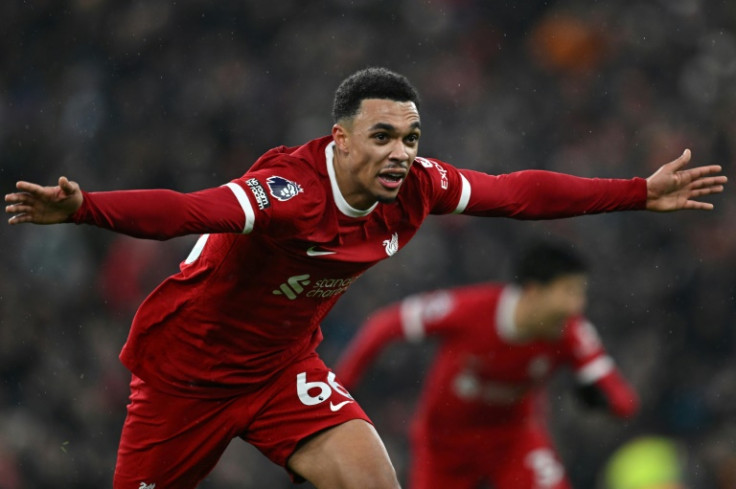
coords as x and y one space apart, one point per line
226 348
479 418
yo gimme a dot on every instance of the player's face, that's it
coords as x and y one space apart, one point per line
560 299
374 151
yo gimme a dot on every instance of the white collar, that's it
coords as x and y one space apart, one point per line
505 310
340 201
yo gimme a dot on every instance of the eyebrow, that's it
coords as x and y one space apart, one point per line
391 128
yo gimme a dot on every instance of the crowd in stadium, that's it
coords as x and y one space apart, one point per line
185 95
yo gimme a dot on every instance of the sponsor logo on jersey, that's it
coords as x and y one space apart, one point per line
313 251
258 192
146 486
293 286
283 189
298 285
444 182
391 245
470 385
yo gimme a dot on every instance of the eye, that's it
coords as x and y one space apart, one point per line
380 136
412 139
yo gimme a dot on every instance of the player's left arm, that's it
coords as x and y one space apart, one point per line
540 194
600 383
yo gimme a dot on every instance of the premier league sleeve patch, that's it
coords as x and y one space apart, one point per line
283 189
258 193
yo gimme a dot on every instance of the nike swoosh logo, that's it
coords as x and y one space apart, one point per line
337 407
311 251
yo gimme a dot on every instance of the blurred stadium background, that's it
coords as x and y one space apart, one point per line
187 94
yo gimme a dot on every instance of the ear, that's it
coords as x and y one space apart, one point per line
341 137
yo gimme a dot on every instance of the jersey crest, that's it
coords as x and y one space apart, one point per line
283 189
391 245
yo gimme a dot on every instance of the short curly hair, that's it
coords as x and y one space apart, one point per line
374 82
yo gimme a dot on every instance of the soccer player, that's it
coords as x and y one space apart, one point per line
226 347
478 418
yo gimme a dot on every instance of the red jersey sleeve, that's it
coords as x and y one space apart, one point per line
162 214
411 319
595 369
539 194
446 184
281 199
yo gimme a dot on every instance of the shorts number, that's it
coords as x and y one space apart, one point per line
303 388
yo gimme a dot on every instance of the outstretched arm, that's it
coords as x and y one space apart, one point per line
153 214
43 205
672 188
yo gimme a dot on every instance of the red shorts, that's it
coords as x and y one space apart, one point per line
174 442
522 458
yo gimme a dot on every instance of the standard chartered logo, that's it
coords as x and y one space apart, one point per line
322 288
293 286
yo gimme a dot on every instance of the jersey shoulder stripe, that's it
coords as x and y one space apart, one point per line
464 195
245 204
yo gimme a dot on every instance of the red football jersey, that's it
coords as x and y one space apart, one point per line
281 244
483 377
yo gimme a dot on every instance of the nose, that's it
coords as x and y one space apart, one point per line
399 152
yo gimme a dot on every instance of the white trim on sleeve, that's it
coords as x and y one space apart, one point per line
411 318
250 216
592 371
464 196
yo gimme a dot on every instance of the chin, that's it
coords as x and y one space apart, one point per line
386 199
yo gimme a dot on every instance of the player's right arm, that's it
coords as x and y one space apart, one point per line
236 207
154 213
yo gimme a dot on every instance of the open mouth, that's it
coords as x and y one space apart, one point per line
391 180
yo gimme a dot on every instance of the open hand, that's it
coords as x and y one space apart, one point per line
43 205
672 188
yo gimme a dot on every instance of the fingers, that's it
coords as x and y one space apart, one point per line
699 192
19 218
66 185
680 162
703 171
20 202
15 198
28 187
699 206
18 207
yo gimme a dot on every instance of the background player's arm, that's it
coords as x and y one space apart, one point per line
381 328
412 319
612 392
600 383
